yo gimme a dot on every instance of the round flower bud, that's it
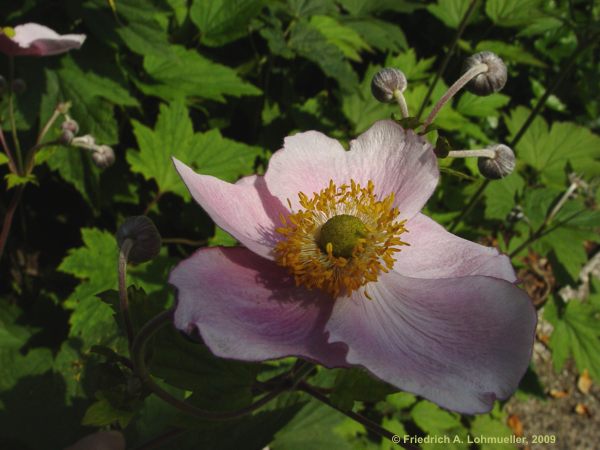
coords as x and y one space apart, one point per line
18 86
500 165
490 81
103 156
70 125
146 238
66 137
386 82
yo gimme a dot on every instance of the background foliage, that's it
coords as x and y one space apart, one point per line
219 84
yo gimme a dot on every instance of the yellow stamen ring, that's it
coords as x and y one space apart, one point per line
360 257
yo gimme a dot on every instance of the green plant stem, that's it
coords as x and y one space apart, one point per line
532 115
369 424
401 103
138 355
11 115
8 218
12 165
123 300
442 68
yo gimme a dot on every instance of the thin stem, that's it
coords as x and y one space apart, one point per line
184 241
55 115
30 160
442 68
369 424
452 90
138 355
12 165
153 202
123 300
481 153
532 115
401 102
11 113
537 234
8 218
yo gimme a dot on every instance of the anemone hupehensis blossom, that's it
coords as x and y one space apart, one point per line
32 39
340 267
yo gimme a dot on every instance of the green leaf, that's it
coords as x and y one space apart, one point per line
500 196
311 44
93 322
379 34
356 385
343 37
489 426
478 106
186 73
510 52
13 180
550 150
223 21
412 67
3 159
12 336
437 422
95 263
451 12
173 136
512 13
576 333
103 413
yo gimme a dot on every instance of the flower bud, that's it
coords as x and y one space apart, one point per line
490 81
500 165
146 238
66 137
70 125
386 82
18 86
103 156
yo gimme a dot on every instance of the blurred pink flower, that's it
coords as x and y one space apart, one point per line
37 40
101 440
416 306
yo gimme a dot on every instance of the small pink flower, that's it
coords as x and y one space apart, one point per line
37 40
341 268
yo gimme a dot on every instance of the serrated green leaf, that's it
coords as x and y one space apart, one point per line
13 180
382 35
549 150
3 159
488 426
343 37
223 21
514 53
12 335
103 413
413 68
451 12
186 73
309 43
173 136
500 196
576 333
478 106
437 422
356 385
511 13
93 322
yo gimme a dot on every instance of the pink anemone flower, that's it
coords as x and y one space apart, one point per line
341 268
32 39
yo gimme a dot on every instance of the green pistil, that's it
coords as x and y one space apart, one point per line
343 232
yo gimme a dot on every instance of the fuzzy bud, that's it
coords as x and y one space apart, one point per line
146 238
103 156
500 165
490 81
66 137
18 86
386 82
70 125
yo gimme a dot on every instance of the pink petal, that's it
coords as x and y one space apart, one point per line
38 40
246 209
435 253
395 160
459 342
101 440
246 307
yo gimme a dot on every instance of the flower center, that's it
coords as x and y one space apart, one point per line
341 239
342 233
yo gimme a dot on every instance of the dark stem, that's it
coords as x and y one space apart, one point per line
369 424
153 202
138 355
184 241
123 299
8 218
442 68
12 164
